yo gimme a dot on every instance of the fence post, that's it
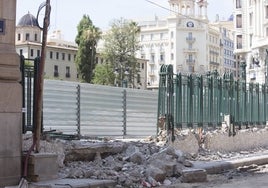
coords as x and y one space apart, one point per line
22 69
124 112
201 106
78 111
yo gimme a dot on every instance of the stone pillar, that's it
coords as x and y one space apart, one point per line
10 98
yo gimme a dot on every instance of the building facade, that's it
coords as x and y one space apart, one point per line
251 32
60 54
185 39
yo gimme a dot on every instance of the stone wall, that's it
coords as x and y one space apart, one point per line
10 98
219 140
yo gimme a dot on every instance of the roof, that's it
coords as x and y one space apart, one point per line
28 20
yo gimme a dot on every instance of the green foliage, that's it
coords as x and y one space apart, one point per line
103 74
86 39
28 64
120 45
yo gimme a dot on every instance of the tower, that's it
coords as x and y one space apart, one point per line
202 9
182 7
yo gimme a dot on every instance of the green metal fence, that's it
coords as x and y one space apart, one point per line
203 100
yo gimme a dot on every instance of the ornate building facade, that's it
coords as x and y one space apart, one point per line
251 32
60 57
185 39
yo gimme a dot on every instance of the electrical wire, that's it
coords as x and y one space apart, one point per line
198 20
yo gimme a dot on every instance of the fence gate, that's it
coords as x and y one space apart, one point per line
194 100
29 73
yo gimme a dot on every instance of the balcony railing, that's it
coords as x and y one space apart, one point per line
192 50
151 74
190 39
151 62
190 61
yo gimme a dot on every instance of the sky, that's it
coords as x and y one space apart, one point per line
66 14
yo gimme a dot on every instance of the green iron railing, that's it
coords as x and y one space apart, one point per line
203 100
29 72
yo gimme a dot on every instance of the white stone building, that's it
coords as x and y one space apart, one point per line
184 39
251 32
60 54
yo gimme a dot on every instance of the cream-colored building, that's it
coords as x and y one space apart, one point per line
184 39
228 59
60 54
251 36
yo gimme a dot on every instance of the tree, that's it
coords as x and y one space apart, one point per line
103 74
86 39
120 45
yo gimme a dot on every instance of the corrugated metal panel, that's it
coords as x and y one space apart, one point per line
60 106
101 111
141 112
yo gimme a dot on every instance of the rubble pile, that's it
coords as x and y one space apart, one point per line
152 162
130 164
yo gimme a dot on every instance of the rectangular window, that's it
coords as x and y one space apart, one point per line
68 75
238 4
32 53
251 18
190 35
51 55
152 58
171 34
162 57
27 36
19 37
142 66
57 55
190 46
239 21
69 57
38 53
138 78
266 12
172 56
63 56
190 57
56 71
191 69
251 37
35 37
239 42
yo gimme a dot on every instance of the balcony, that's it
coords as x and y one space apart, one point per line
190 39
151 62
151 74
161 62
190 61
214 63
190 50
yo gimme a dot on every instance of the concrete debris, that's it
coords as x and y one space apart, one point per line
194 175
147 163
